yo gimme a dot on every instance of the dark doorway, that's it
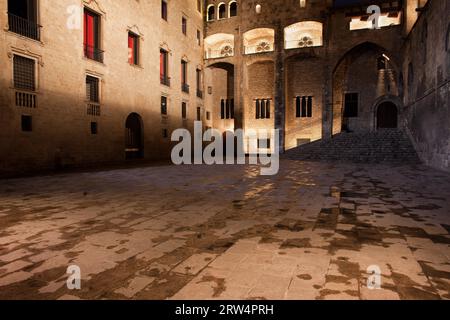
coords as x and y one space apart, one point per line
387 115
134 148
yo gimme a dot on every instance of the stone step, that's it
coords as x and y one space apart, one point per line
383 146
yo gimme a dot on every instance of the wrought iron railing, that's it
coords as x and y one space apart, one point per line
165 80
93 53
24 27
185 87
259 49
93 109
214 54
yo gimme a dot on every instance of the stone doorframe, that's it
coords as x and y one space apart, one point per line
397 101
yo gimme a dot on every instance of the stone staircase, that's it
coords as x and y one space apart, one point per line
382 146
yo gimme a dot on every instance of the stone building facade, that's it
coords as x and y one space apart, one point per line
112 80
64 126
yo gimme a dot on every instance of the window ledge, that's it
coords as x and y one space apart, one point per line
7 31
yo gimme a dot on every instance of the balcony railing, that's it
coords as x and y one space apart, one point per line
93 109
93 53
26 99
165 80
259 49
215 54
305 42
185 87
200 94
24 27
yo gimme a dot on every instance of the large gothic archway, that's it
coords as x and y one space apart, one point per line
363 74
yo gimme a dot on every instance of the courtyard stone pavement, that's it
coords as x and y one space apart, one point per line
225 232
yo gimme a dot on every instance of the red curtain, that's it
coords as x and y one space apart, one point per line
89 34
131 47
162 65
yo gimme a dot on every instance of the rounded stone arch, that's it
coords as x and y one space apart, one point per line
232 8
395 101
211 12
219 45
134 136
302 34
221 11
259 40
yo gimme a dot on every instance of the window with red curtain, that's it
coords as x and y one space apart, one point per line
133 48
91 35
163 60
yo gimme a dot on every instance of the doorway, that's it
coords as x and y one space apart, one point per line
134 147
387 115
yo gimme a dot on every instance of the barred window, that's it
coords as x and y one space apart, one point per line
164 105
262 108
92 89
184 110
24 73
303 107
227 109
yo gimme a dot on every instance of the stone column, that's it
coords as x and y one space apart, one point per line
327 109
280 88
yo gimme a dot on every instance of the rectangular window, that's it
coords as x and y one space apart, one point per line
208 115
199 114
222 109
94 128
227 109
303 107
164 11
165 133
92 89
199 83
263 108
199 37
92 36
351 105
22 18
232 109
133 48
27 123
184 85
24 73
184 25
164 105
184 110
164 67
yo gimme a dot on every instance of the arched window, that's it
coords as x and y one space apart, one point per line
233 9
222 11
211 13
219 45
259 40
303 34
